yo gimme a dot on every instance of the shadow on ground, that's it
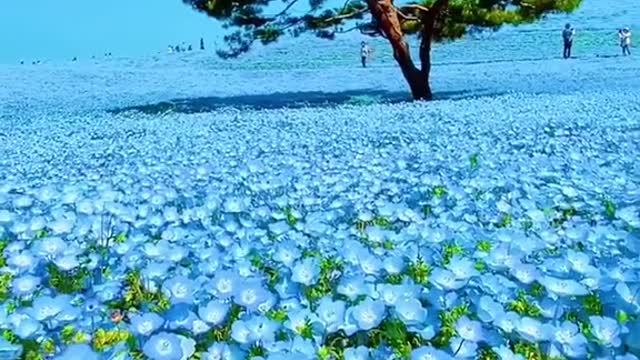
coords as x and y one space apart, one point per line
290 101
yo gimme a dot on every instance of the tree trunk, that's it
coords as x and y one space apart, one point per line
386 17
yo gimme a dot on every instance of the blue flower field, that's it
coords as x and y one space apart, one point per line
291 205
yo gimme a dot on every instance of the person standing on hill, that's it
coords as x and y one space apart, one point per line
625 41
201 44
365 53
567 35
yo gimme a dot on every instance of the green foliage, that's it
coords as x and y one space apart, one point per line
269 270
67 282
439 191
449 251
31 349
486 353
3 259
5 285
279 315
419 271
592 305
427 211
448 319
291 218
524 307
329 268
40 234
106 339
609 208
484 246
563 215
136 296
474 163
505 221
120 238
395 279
529 350
537 290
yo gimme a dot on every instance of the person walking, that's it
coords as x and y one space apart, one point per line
567 36
365 53
625 41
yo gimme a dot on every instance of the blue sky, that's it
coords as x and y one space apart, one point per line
62 29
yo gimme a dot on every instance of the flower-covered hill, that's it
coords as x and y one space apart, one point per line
416 231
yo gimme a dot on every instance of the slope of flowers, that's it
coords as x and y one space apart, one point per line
437 231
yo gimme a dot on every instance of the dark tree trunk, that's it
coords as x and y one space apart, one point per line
387 19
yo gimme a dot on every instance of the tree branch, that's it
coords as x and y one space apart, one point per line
344 16
405 16
289 6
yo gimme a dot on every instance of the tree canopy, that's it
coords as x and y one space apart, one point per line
251 21
430 20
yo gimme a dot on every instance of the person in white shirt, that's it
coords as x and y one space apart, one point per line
365 53
625 41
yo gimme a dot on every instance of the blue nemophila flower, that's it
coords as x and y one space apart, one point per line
488 309
45 307
145 324
180 316
563 287
504 353
533 330
606 330
304 347
525 273
369 313
24 325
507 321
223 351
394 264
446 280
250 294
23 261
107 291
463 349
370 264
179 289
224 284
390 293
286 288
352 287
331 313
410 311
67 262
163 346
50 247
188 347
358 353
240 332
629 294
463 268
573 342
9 351
303 320
429 353
307 271
214 312
25 286
263 330
78 351
469 330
